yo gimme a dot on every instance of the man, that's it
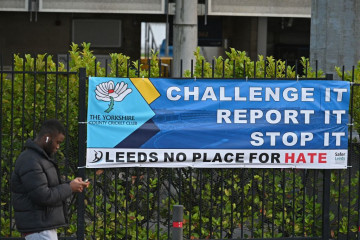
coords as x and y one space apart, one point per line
38 194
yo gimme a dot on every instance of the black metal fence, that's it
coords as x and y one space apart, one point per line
136 203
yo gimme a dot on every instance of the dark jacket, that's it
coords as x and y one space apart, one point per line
38 194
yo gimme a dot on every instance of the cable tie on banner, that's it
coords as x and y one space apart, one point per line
297 77
143 78
246 78
82 122
350 124
81 167
195 78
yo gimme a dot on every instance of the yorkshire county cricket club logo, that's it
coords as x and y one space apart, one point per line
127 120
108 92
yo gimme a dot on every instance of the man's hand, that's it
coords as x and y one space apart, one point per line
78 185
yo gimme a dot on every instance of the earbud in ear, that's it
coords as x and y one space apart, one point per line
47 139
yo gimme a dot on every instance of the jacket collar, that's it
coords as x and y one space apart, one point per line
30 144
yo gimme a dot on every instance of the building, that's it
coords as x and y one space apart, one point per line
268 27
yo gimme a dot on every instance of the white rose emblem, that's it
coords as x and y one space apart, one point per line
108 92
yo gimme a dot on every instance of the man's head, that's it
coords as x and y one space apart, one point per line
50 136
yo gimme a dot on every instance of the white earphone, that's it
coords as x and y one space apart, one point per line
47 139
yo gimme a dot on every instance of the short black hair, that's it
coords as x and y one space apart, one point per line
52 127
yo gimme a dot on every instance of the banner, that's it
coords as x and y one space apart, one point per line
217 123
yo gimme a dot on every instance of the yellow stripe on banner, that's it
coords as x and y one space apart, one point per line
146 89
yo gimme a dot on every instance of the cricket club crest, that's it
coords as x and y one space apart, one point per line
109 92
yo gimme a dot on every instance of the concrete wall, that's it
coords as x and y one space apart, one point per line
335 34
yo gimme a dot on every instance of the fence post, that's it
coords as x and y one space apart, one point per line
326 205
326 196
82 153
177 230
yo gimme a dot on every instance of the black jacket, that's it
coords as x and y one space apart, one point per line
38 194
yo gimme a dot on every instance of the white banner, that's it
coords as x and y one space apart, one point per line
216 158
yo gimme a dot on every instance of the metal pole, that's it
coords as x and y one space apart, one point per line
333 41
82 153
326 205
185 34
146 40
177 229
167 28
326 196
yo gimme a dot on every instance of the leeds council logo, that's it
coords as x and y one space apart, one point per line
98 156
108 92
